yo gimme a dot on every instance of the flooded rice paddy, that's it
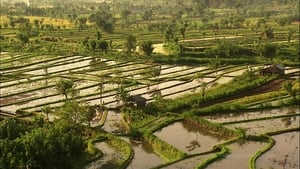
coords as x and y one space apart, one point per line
186 139
240 154
108 159
270 125
188 163
173 81
231 117
144 157
284 154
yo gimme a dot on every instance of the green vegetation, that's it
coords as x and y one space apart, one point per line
217 156
122 147
40 144
270 144
65 62
165 150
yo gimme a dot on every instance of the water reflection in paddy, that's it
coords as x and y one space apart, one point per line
186 138
270 125
189 163
144 157
228 117
239 156
109 155
284 154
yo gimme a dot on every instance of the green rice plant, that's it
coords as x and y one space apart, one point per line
210 128
254 157
163 149
219 155
123 148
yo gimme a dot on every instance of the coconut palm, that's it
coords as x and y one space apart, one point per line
214 63
100 87
66 87
203 88
45 67
147 48
122 95
288 86
47 110
199 77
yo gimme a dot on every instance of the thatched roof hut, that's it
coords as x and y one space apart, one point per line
137 100
273 70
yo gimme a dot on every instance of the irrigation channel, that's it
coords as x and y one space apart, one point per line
197 144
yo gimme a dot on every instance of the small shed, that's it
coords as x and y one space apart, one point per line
273 70
137 100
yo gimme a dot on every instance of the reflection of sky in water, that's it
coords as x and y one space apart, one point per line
108 155
189 163
258 127
221 118
144 157
182 136
239 155
284 154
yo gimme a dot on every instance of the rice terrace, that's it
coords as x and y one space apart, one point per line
149 84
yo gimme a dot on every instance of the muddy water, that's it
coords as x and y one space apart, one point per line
270 125
144 157
189 163
284 154
240 154
228 117
185 138
109 156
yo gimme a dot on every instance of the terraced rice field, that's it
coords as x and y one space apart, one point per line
29 84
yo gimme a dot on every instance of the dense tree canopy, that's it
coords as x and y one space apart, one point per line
48 146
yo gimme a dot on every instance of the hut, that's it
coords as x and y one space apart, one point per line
137 100
273 70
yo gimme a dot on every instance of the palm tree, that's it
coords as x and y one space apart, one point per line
122 95
100 87
147 48
290 34
155 72
47 110
203 88
288 86
214 63
117 78
66 87
129 44
45 67
155 93
73 112
89 113
199 77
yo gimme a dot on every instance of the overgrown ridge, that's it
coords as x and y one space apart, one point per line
268 87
